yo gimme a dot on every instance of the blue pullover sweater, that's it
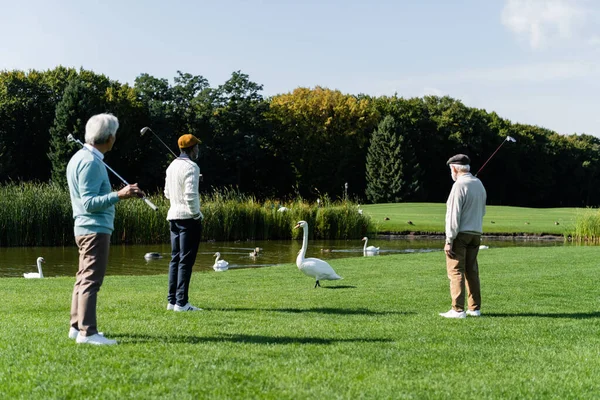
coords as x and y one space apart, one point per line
91 195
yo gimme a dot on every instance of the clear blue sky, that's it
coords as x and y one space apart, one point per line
531 61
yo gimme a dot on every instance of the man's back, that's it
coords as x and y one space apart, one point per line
181 188
466 205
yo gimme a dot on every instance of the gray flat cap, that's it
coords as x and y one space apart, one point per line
461 159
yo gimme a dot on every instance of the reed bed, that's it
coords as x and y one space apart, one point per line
39 214
587 226
34 214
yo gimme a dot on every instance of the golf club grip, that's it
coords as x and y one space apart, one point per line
150 204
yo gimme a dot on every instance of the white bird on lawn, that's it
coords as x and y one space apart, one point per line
318 269
38 274
220 265
370 249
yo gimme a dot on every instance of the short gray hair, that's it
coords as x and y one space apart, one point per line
100 127
461 168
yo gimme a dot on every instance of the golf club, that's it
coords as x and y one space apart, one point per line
71 138
146 129
508 139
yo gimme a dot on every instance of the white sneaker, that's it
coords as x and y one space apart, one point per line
454 314
474 313
96 339
187 307
170 307
73 333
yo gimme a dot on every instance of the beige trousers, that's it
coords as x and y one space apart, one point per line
93 260
463 268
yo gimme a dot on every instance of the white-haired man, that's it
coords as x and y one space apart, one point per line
93 203
465 209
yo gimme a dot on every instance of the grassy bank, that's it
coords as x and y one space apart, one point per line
429 218
265 333
40 215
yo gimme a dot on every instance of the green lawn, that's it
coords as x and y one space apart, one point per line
266 333
429 218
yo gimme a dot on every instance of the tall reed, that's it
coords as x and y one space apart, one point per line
34 215
587 226
40 215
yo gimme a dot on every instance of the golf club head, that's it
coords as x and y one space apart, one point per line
144 130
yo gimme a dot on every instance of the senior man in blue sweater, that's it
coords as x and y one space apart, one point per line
93 204
465 209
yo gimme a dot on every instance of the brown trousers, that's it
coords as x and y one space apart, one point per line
463 267
93 260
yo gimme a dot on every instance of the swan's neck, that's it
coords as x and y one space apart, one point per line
39 265
365 246
217 259
302 253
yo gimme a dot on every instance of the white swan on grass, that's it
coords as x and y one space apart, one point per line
220 265
318 269
370 249
39 274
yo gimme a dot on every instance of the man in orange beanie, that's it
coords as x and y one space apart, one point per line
185 220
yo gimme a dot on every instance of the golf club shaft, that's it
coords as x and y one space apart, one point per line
71 138
488 160
156 136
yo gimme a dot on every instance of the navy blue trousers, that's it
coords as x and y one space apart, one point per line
185 239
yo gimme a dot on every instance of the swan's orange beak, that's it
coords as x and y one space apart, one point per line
297 226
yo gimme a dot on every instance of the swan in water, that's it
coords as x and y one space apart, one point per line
254 253
318 269
220 265
152 256
370 249
38 274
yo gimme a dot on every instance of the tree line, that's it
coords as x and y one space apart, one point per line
309 142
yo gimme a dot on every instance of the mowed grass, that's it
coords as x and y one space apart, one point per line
430 218
266 333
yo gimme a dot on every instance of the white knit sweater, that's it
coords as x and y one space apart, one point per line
181 188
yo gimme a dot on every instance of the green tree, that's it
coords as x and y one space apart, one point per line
239 146
26 111
322 135
83 97
385 178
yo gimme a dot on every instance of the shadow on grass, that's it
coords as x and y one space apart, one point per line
321 310
589 315
250 339
339 287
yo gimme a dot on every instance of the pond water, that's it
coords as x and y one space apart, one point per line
129 260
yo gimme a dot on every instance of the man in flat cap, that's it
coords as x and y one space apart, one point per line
465 209
185 220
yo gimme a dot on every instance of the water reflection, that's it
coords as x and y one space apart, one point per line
129 260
